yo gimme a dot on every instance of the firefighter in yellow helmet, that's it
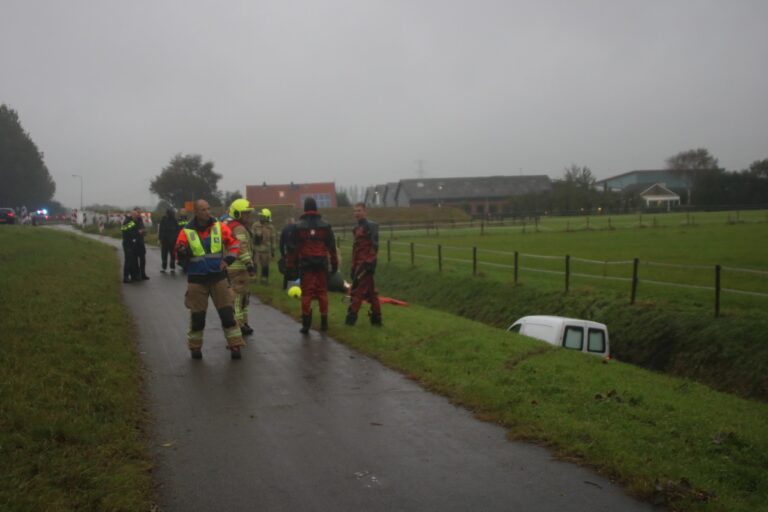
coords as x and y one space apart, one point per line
264 242
242 270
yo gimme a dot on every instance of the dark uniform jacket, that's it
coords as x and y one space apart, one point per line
365 248
169 230
314 243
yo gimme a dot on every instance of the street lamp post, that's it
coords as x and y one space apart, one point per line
81 189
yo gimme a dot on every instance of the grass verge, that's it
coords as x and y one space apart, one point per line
667 440
71 409
727 353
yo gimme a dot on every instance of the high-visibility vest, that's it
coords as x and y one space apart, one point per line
199 262
129 225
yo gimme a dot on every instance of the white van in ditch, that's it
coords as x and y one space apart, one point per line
571 333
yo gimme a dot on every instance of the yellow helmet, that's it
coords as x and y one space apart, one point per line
266 213
238 207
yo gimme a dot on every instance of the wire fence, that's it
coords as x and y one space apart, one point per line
539 222
744 281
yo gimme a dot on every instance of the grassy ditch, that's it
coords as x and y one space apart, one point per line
728 353
70 397
667 440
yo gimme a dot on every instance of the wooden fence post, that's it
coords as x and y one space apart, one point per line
517 267
567 272
474 260
635 265
389 250
413 256
717 290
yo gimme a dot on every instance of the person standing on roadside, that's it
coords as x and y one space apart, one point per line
207 247
365 250
315 251
130 232
168 232
285 240
241 271
264 242
141 249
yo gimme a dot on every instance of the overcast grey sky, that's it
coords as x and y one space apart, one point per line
356 91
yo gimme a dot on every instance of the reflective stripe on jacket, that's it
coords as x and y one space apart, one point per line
207 252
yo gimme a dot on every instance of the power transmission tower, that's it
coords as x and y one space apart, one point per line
420 172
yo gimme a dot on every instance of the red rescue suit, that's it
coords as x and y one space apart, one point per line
364 256
314 252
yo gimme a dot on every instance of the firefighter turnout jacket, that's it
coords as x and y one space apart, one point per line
202 249
240 231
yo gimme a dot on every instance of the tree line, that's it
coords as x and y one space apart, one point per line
705 185
26 181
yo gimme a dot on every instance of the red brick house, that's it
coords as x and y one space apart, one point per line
292 194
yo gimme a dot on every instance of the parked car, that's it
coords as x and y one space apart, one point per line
571 333
7 216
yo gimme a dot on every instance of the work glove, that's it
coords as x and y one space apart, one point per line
251 269
182 252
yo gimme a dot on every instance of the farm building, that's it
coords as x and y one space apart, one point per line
651 188
486 195
292 194
665 178
381 195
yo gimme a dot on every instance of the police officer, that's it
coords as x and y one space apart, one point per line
208 248
130 232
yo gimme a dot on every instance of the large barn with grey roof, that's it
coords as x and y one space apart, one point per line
486 195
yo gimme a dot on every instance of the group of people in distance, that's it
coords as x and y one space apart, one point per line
220 257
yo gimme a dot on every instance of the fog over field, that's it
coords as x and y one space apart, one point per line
364 92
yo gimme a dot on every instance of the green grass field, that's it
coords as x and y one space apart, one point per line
676 260
71 413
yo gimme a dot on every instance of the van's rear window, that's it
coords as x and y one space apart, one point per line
574 338
596 341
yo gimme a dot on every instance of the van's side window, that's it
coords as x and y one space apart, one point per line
574 338
596 341
516 328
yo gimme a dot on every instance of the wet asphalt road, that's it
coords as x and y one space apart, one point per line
306 424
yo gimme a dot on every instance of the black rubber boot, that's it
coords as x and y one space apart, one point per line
375 319
246 330
324 322
196 353
351 318
235 352
306 323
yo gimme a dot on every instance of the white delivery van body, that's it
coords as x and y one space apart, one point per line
571 333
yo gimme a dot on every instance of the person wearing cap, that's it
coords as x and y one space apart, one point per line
315 251
207 247
242 270
264 242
